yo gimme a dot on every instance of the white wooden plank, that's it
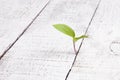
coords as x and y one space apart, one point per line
15 15
95 60
43 53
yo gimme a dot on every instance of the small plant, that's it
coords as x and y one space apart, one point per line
70 32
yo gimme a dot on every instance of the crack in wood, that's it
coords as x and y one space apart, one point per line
11 45
83 39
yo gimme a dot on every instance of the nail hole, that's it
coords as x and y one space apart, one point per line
115 47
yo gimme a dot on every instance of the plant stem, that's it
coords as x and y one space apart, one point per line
74 47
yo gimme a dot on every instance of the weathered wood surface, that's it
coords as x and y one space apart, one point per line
42 53
15 16
96 61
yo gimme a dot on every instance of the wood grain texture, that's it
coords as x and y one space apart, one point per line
96 61
15 16
43 53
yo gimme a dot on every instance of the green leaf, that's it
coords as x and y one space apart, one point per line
81 37
65 29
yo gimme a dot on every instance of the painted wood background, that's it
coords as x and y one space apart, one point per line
31 49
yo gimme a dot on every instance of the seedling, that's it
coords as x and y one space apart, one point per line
70 32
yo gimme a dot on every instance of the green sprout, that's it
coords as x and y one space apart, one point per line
70 32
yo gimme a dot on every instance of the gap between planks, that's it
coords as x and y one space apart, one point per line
83 39
10 46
